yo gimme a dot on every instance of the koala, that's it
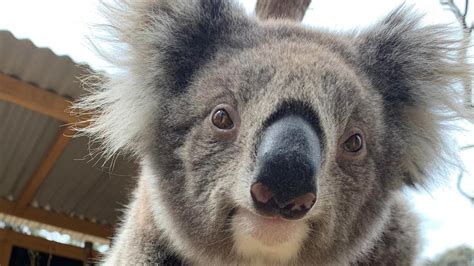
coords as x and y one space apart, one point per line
268 142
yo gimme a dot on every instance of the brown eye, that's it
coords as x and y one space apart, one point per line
353 143
221 119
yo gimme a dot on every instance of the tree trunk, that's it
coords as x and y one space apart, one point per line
289 9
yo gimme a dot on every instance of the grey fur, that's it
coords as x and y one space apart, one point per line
182 58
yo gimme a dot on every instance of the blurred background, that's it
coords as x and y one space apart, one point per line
58 205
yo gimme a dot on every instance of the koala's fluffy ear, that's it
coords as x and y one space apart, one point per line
179 36
157 47
414 69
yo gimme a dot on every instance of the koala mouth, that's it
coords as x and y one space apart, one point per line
269 231
272 238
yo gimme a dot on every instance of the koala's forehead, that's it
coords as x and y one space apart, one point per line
281 70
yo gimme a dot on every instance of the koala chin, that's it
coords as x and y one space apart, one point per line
267 142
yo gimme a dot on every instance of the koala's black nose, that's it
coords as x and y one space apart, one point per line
288 161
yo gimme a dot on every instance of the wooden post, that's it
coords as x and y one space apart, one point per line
5 252
289 9
88 254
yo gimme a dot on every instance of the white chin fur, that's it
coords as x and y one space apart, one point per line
262 239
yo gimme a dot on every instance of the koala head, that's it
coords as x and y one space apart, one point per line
268 139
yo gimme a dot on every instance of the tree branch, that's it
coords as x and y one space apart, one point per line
460 177
461 17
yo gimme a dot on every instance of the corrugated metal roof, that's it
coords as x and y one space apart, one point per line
73 187
25 137
40 66
99 193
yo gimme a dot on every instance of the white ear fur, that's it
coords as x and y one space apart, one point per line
146 37
417 72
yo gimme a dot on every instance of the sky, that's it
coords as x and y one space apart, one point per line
447 218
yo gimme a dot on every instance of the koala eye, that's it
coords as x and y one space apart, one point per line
221 119
225 121
354 143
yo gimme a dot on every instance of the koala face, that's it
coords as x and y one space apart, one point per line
302 124
266 141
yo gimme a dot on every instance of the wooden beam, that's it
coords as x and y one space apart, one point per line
56 219
6 206
66 222
288 9
5 250
35 99
50 158
44 245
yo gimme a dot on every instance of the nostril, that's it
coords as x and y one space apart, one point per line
261 193
299 206
302 203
